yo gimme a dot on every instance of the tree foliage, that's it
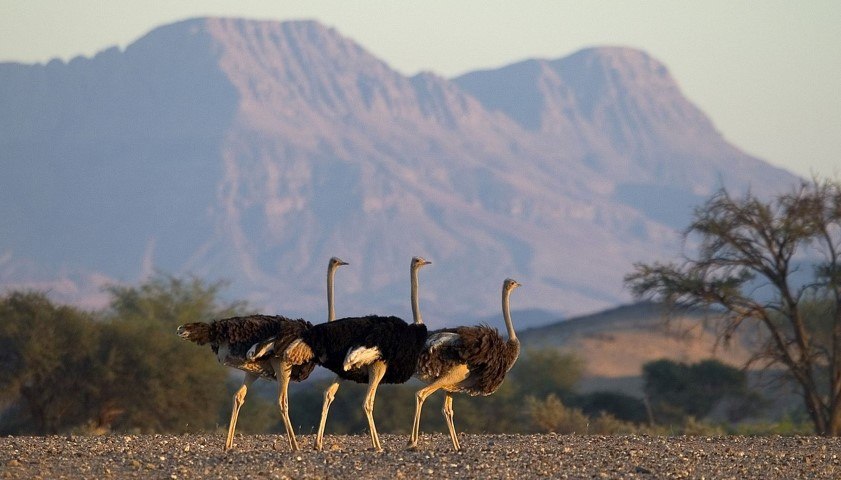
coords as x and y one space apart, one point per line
769 263
124 369
155 381
543 371
678 390
47 358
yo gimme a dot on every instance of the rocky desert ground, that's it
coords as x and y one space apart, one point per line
482 457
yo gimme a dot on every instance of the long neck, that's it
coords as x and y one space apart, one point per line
506 313
331 312
415 307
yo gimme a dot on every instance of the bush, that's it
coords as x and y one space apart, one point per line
544 371
551 416
607 424
678 390
618 405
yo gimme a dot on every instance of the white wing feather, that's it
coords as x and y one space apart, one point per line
261 349
361 356
440 339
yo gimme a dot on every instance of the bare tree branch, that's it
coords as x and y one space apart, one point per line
748 252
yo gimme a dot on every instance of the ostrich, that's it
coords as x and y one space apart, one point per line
473 360
371 349
248 344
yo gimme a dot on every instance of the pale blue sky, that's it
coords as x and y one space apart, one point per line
768 73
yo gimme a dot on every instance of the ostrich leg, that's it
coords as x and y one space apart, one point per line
329 395
448 415
283 370
420 397
453 377
375 373
239 399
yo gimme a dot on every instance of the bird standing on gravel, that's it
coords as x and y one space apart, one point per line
249 344
472 360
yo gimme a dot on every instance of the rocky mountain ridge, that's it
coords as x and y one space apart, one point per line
253 151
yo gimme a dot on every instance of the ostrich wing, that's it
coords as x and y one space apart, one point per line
360 356
440 339
440 355
261 349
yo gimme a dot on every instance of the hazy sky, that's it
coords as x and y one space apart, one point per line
768 73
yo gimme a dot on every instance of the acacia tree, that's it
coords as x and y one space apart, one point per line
773 264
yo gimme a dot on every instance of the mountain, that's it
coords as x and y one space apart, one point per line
252 151
620 112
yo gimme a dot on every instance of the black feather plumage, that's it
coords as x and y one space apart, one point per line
487 355
235 335
399 343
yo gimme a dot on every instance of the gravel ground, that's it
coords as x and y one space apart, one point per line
483 456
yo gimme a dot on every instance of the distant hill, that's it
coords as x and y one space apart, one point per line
614 344
253 151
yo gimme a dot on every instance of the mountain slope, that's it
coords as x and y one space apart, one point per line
253 151
624 116
615 344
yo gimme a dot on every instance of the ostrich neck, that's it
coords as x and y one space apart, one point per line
415 307
506 313
331 312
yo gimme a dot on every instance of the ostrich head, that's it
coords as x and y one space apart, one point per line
336 262
418 262
510 284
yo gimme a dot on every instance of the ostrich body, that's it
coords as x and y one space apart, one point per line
372 349
249 344
231 338
471 360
